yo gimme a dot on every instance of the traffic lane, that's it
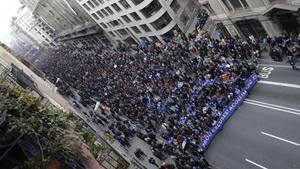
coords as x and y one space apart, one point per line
279 95
241 139
279 74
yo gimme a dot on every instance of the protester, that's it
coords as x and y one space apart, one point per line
175 91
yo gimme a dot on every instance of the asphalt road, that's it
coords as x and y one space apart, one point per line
265 131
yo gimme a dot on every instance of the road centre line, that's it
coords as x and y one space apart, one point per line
281 139
274 105
279 84
273 108
254 163
280 66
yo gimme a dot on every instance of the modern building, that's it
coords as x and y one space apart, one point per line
135 20
68 20
32 30
256 17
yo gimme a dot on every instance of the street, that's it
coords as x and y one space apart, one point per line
265 131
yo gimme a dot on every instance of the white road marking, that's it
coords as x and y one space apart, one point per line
273 108
274 105
281 139
254 163
280 84
280 66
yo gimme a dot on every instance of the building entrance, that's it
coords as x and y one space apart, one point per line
251 27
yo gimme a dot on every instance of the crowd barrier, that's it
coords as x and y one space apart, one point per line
228 112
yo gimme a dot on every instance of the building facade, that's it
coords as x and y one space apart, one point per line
68 20
254 17
33 30
135 20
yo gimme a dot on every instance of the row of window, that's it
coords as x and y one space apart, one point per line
158 24
232 5
148 11
91 4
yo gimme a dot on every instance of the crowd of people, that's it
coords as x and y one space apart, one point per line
285 46
176 91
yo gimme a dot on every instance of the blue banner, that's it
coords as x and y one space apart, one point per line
228 112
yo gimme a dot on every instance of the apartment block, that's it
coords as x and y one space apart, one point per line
134 20
260 18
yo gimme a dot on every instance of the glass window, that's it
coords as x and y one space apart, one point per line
244 2
100 14
109 10
135 29
105 13
145 28
95 16
136 2
236 3
151 9
125 4
112 34
96 2
228 6
135 16
103 25
123 32
162 21
116 7
126 18
85 6
91 4
115 23
175 6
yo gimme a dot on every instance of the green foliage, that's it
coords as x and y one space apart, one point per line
29 117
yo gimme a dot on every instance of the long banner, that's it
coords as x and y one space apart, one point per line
228 112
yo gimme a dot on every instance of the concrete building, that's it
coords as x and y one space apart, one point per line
69 21
32 30
135 20
257 17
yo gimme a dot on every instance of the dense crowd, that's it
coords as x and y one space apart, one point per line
285 46
177 91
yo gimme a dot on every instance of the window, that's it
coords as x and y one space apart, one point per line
145 28
151 9
125 4
85 6
245 4
120 21
103 11
100 14
136 30
154 39
116 7
135 16
175 6
109 10
162 21
184 17
115 23
112 34
95 16
123 32
136 2
236 4
228 5
91 4
96 2
126 18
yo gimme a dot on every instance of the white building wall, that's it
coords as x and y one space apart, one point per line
94 8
